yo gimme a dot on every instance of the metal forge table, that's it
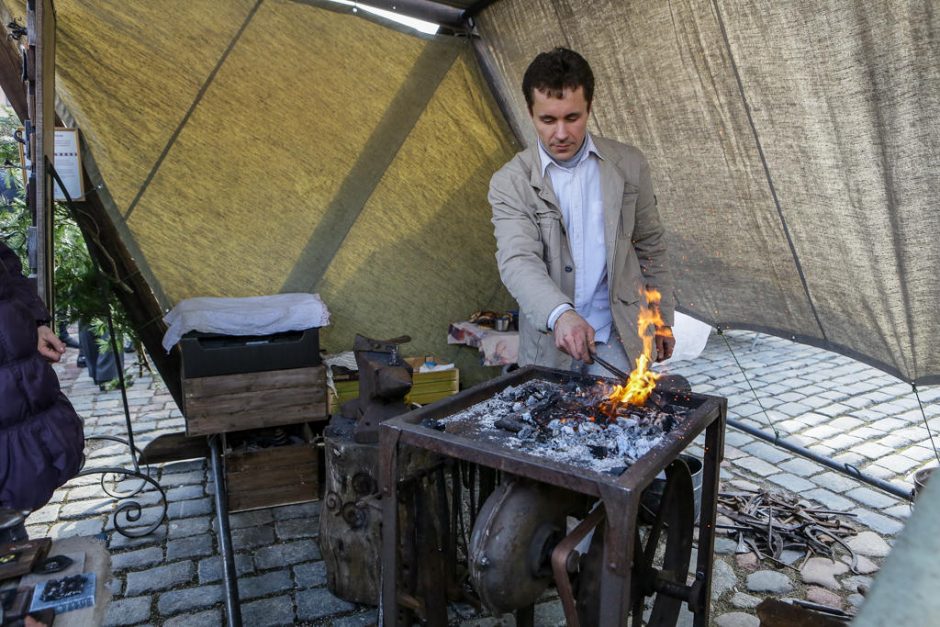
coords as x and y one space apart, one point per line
620 496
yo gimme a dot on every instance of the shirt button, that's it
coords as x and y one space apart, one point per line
568 268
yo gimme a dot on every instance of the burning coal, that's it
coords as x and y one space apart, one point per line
642 381
575 422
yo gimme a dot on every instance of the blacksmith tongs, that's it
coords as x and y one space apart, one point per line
609 367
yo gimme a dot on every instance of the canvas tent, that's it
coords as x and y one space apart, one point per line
258 146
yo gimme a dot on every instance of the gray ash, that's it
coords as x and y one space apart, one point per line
572 422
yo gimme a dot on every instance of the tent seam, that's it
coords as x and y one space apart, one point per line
192 108
770 182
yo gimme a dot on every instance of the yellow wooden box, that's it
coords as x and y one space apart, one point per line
427 388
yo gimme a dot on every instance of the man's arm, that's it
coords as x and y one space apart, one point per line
650 246
519 251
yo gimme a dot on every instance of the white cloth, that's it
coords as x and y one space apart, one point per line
578 190
254 315
691 337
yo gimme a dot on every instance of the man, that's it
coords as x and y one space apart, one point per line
579 240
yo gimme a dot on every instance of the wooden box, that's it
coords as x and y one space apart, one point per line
279 475
236 402
427 388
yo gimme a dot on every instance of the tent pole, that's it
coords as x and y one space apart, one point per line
841 467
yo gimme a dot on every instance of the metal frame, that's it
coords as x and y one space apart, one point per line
620 495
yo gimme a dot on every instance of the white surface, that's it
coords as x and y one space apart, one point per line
254 315
691 337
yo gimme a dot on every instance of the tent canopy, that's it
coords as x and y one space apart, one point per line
259 146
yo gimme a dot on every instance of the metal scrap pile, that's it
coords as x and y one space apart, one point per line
769 523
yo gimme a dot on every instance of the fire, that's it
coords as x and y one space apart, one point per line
642 381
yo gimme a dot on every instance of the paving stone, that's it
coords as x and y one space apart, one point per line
872 450
210 618
747 561
251 537
175 479
72 528
852 583
869 544
757 466
822 432
737 619
800 467
878 522
723 578
269 612
159 578
302 510
282 555
132 560
188 509
769 581
297 528
743 484
863 565
185 493
128 611
186 527
744 601
793 409
318 603
733 437
83 509
824 597
725 546
792 482
835 481
822 571
253 518
47 514
193 546
767 452
855 600
790 557
263 585
210 569
311 574
187 599
871 498
898 463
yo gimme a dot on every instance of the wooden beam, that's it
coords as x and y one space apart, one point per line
11 70
140 303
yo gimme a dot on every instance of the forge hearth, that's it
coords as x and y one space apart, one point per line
548 428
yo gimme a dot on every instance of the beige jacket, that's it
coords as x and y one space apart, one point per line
535 260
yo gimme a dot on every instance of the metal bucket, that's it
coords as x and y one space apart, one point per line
649 501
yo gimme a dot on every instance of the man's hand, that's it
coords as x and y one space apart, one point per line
50 346
574 336
665 342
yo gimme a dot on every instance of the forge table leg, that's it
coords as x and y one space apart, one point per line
714 452
388 485
229 575
617 569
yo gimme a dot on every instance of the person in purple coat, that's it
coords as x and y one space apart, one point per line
41 437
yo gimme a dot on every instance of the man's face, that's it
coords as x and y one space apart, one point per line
561 122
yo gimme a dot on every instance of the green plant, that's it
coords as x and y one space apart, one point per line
81 291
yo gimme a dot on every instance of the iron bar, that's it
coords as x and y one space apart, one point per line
842 467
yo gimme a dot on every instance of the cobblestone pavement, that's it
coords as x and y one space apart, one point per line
826 402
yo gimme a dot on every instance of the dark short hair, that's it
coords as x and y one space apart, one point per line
554 71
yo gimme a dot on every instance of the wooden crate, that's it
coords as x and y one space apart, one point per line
236 402
427 388
280 475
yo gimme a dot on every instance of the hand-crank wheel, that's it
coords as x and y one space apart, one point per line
661 562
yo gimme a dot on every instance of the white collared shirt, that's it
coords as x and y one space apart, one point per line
578 190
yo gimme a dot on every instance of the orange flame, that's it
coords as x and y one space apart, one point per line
642 381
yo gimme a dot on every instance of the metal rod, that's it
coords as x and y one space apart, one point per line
233 611
609 367
842 467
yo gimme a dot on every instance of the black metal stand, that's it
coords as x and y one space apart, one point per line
229 574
